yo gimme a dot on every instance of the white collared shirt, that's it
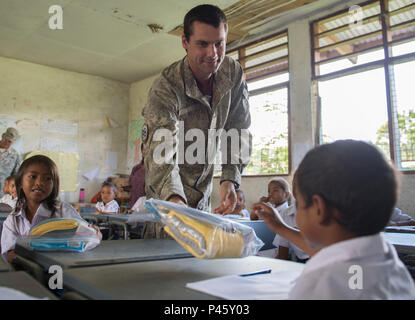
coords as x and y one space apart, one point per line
288 216
110 207
17 225
7 199
360 268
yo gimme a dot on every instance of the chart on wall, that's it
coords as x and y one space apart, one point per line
67 164
134 142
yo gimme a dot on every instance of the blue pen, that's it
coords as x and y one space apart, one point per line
255 273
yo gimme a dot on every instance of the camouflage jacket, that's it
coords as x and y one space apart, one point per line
9 164
175 103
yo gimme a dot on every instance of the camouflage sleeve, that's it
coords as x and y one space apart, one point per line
161 143
17 164
239 119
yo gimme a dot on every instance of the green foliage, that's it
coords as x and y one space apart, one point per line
406 125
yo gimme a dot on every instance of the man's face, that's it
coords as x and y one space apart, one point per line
205 49
5 143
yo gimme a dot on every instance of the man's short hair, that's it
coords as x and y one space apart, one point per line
206 13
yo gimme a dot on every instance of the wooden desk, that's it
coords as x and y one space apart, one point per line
164 279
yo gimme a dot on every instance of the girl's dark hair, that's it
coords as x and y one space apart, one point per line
353 177
52 200
206 13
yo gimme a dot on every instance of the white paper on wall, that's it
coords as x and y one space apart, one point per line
58 145
91 175
60 126
112 160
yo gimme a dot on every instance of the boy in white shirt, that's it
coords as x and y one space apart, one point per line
287 250
346 192
108 204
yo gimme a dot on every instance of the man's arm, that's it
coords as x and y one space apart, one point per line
162 171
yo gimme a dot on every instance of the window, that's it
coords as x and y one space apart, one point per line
265 64
363 59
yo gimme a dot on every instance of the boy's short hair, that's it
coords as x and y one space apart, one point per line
108 183
282 183
206 13
353 177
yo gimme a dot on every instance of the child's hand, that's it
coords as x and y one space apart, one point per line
271 217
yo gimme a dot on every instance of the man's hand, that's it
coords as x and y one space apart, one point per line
177 199
227 196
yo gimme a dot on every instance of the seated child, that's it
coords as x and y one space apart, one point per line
346 192
6 186
108 204
400 219
278 195
285 249
8 201
240 204
37 185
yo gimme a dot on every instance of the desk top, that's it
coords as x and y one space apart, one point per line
23 282
403 242
108 252
402 229
164 279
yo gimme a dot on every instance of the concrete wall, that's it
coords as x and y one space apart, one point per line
31 93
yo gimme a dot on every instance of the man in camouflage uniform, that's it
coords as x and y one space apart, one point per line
205 90
9 158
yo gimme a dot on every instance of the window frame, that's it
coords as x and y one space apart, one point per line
387 62
286 84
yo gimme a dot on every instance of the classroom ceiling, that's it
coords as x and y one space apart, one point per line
126 40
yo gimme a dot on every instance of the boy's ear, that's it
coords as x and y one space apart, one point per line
323 212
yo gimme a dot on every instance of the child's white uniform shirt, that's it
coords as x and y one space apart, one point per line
361 268
7 199
17 224
288 216
399 217
245 213
110 207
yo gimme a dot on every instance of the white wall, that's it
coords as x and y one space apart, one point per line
31 93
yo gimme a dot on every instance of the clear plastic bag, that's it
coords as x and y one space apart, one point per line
203 234
62 234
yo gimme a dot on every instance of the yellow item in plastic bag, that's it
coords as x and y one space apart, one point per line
202 239
53 226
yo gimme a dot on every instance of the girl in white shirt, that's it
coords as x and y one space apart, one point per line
346 192
37 185
108 204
